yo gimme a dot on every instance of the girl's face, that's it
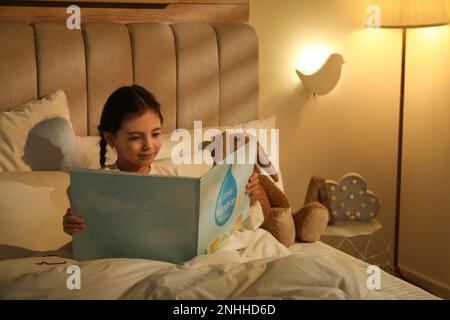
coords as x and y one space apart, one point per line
137 142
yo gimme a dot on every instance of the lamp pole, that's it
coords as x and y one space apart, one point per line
400 155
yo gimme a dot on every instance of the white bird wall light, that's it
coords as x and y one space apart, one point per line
326 78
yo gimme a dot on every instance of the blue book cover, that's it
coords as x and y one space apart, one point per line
166 218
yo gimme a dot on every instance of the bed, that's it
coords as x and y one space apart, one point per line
198 71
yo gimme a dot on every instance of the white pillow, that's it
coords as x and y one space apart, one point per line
31 211
90 152
38 136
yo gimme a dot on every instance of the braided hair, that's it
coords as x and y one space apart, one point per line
123 103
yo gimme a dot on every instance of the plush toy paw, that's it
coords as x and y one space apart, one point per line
310 222
281 225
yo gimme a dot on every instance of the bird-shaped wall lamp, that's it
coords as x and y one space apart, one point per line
326 78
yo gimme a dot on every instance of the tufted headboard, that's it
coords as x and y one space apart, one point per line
196 71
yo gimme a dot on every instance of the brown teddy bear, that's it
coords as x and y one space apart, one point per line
307 224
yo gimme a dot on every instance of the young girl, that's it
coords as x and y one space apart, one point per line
131 123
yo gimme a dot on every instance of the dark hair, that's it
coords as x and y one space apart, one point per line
124 103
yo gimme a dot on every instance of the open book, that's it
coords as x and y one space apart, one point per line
168 218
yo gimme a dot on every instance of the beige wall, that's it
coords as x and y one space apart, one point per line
354 128
425 220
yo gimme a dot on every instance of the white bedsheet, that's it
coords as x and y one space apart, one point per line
391 288
253 265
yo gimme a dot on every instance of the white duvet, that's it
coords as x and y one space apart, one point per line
253 265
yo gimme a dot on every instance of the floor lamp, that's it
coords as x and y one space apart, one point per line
405 14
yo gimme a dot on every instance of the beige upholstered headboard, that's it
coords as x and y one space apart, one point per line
196 71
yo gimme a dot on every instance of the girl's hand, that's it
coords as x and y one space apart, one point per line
253 187
73 223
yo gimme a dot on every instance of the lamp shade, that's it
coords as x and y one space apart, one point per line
412 13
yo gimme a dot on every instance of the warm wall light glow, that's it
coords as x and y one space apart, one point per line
312 58
433 34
